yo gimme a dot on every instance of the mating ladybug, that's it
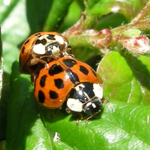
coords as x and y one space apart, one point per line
71 82
39 49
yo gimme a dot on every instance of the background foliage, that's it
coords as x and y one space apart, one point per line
120 54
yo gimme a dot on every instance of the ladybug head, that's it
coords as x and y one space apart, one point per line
93 107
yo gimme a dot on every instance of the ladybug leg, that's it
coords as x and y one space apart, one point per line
70 51
105 100
38 60
88 117
33 75
32 78
48 57
80 115
79 119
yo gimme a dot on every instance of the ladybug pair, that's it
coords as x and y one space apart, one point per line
59 79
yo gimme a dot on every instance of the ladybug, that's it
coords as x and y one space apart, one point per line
72 83
39 49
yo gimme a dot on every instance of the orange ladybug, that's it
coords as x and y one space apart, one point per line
71 82
39 49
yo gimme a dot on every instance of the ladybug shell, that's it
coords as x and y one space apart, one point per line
25 56
53 84
25 53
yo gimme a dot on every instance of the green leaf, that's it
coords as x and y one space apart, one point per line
24 124
13 35
128 125
5 8
57 13
1 63
119 124
132 32
101 7
126 78
2 102
81 4
72 16
37 13
101 10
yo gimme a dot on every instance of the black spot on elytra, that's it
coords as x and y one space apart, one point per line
72 76
38 41
53 94
84 70
22 50
51 37
42 80
43 41
38 34
55 69
69 62
41 97
59 83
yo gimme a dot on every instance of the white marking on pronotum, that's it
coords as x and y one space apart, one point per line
39 49
74 105
56 137
98 90
78 87
66 44
59 39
